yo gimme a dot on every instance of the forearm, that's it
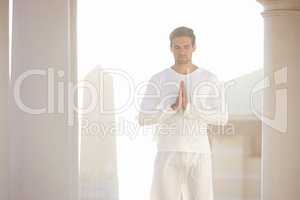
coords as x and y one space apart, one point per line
215 117
156 116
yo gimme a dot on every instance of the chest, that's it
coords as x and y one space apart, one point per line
192 86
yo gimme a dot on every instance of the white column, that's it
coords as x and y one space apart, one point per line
98 156
3 98
43 147
281 125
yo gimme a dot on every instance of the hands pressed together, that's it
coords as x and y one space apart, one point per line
181 100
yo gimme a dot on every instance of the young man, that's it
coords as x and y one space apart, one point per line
182 100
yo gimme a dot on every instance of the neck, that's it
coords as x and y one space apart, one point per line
184 68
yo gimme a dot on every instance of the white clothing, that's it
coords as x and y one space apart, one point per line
182 176
185 130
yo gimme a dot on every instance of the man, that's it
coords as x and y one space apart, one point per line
182 168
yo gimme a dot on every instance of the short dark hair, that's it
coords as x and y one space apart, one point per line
182 31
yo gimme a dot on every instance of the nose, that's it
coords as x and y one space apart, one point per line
182 52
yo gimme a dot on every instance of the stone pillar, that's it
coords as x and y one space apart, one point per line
281 125
98 145
42 124
4 60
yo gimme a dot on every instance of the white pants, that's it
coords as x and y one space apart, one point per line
182 176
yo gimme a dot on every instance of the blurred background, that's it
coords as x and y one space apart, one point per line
132 37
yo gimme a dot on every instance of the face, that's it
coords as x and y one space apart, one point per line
182 49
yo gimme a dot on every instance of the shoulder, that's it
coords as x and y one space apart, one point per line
159 76
207 74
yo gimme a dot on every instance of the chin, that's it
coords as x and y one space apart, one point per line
182 62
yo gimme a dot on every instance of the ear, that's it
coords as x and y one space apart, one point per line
194 47
171 49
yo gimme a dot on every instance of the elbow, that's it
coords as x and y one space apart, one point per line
218 120
144 119
224 122
140 120
224 119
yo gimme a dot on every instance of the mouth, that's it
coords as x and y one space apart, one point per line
182 60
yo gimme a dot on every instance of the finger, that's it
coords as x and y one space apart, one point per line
184 96
181 84
180 97
181 88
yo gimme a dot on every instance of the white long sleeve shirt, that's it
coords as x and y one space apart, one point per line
186 129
